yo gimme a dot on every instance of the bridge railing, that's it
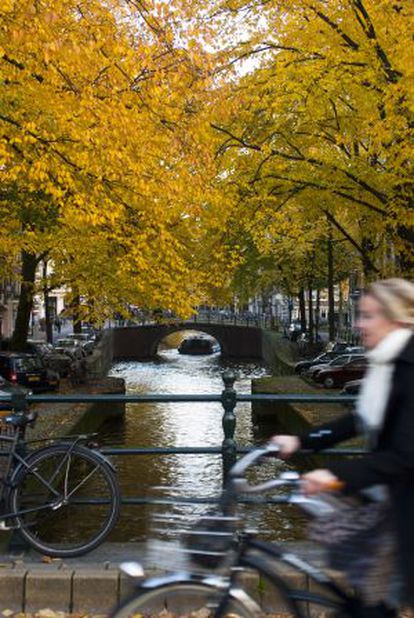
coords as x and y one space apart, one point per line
228 449
205 317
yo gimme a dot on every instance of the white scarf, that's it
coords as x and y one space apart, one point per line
376 386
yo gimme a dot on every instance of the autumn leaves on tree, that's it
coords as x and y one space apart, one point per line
150 150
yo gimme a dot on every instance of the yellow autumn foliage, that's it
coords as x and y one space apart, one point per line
101 167
314 105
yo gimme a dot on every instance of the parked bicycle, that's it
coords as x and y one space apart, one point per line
214 544
62 498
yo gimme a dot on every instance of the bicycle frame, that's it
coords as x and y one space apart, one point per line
261 556
15 461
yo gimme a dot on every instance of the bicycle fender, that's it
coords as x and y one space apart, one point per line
103 458
181 577
213 581
96 452
45 449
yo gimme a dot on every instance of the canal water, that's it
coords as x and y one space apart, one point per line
185 424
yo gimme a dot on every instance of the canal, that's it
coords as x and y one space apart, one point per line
185 424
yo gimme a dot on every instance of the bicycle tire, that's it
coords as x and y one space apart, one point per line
181 599
54 531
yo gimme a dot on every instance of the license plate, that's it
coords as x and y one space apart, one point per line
34 378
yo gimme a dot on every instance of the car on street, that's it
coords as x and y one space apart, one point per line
323 358
84 339
74 346
337 346
27 370
340 360
337 376
92 332
51 358
342 347
352 387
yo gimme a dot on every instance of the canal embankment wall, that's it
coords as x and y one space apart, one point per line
281 354
67 418
296 418
62 419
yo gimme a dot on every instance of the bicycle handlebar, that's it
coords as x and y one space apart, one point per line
290 478
239 468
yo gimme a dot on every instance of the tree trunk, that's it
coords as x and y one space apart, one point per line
302 309
368 267
48 321
310 309
331 297
25 306
77 322
341 313
317 312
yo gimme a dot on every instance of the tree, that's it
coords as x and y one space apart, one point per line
100 162
321 120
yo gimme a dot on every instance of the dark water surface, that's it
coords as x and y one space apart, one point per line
185 424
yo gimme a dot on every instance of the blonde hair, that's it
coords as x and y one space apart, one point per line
397 299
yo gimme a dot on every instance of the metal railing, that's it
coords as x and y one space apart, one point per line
213 318
228 398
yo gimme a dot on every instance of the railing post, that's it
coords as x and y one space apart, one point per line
228 400
19 401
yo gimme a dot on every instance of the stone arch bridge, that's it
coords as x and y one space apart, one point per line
141 342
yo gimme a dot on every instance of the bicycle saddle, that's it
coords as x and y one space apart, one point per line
20 420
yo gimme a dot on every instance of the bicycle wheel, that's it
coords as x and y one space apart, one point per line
66 501
182 599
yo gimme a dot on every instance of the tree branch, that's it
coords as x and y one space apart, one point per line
353 242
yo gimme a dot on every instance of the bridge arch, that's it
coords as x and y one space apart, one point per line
193 329
141 342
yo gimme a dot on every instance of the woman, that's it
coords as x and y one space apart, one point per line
385 415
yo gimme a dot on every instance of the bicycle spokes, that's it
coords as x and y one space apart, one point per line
64 498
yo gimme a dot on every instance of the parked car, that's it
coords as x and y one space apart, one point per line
342 347
39 347
84 339
352 387
73 345
340 360
323 358
8 388
337 346
51 358
90 331
337 376
27 370
355 349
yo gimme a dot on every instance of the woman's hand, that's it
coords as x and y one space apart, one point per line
287 445
320 480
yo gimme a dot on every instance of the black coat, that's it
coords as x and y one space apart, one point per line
390 463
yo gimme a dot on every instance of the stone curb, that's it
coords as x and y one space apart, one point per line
99 590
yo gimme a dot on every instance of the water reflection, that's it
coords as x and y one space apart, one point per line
181 424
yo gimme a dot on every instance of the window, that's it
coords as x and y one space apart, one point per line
341 360
29 363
